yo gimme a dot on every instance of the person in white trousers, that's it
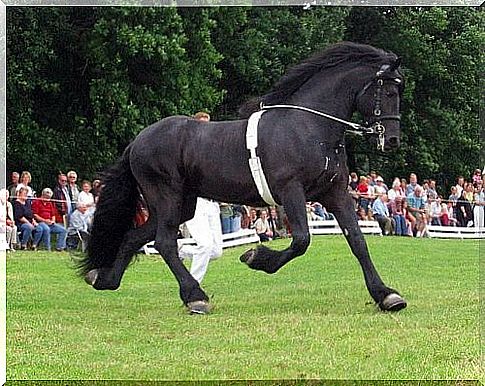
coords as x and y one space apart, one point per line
205 228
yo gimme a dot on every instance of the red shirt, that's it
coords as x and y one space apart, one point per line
44 209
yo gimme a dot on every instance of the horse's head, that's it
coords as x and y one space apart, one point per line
379 102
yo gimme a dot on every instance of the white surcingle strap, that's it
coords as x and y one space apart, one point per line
254 161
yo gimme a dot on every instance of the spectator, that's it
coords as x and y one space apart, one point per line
44 212
395 191
362 214
62 200
478 210
85 197
73 189
397 212
460 185
262 227
381 214
453 199
432 193
413 183
364 192
7 224
245 218
277 223
380 187
226 217
24 219
435 211
463 211
79 226
469 192
96 189
477 177
353 181
12 188
417 207
410 219
25 180
253 216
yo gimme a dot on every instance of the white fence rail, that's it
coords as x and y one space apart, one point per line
437 231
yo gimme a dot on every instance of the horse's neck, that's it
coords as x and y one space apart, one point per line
332 93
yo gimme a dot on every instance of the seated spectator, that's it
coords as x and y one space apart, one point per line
44 212
396 190
85 197
277 223
253 216
410 219
361 214
7 224
435 211
417 207
321 212
24 219
365 192
96 189
450 215
380 187
262 227
397 213
413 183
79 226
381 214
432 193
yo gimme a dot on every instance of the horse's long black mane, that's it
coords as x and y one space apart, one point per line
335 55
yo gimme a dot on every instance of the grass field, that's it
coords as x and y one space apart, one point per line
313 319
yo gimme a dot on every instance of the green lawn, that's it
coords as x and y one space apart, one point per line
313 319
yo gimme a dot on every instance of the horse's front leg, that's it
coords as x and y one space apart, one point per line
269 261
387 298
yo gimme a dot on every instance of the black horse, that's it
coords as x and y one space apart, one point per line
301 149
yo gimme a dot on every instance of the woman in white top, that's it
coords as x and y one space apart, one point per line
478 209
86 198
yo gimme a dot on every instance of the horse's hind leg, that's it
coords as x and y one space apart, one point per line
134 239
387 298
270 261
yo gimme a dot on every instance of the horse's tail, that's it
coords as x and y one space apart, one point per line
113 217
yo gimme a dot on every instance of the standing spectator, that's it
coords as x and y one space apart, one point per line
24 219
469 192
477 177
205 229
463 211
460 185
226 214
262 227
25 180
13 185
432 193
413 183
72 188
44 212
62 200
478 210
7 224
417 207
381 214
397 212
453 199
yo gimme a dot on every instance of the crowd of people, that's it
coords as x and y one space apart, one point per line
408 207
405 208
29 219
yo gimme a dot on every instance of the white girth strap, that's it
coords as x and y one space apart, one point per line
254 162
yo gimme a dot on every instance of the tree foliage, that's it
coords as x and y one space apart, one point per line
82 82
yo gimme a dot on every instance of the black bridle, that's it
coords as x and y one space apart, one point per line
372 127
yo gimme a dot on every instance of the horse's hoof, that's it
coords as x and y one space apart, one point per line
91 277
393 302
200 307
248 256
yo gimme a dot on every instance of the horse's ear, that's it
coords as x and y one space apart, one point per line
394 66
